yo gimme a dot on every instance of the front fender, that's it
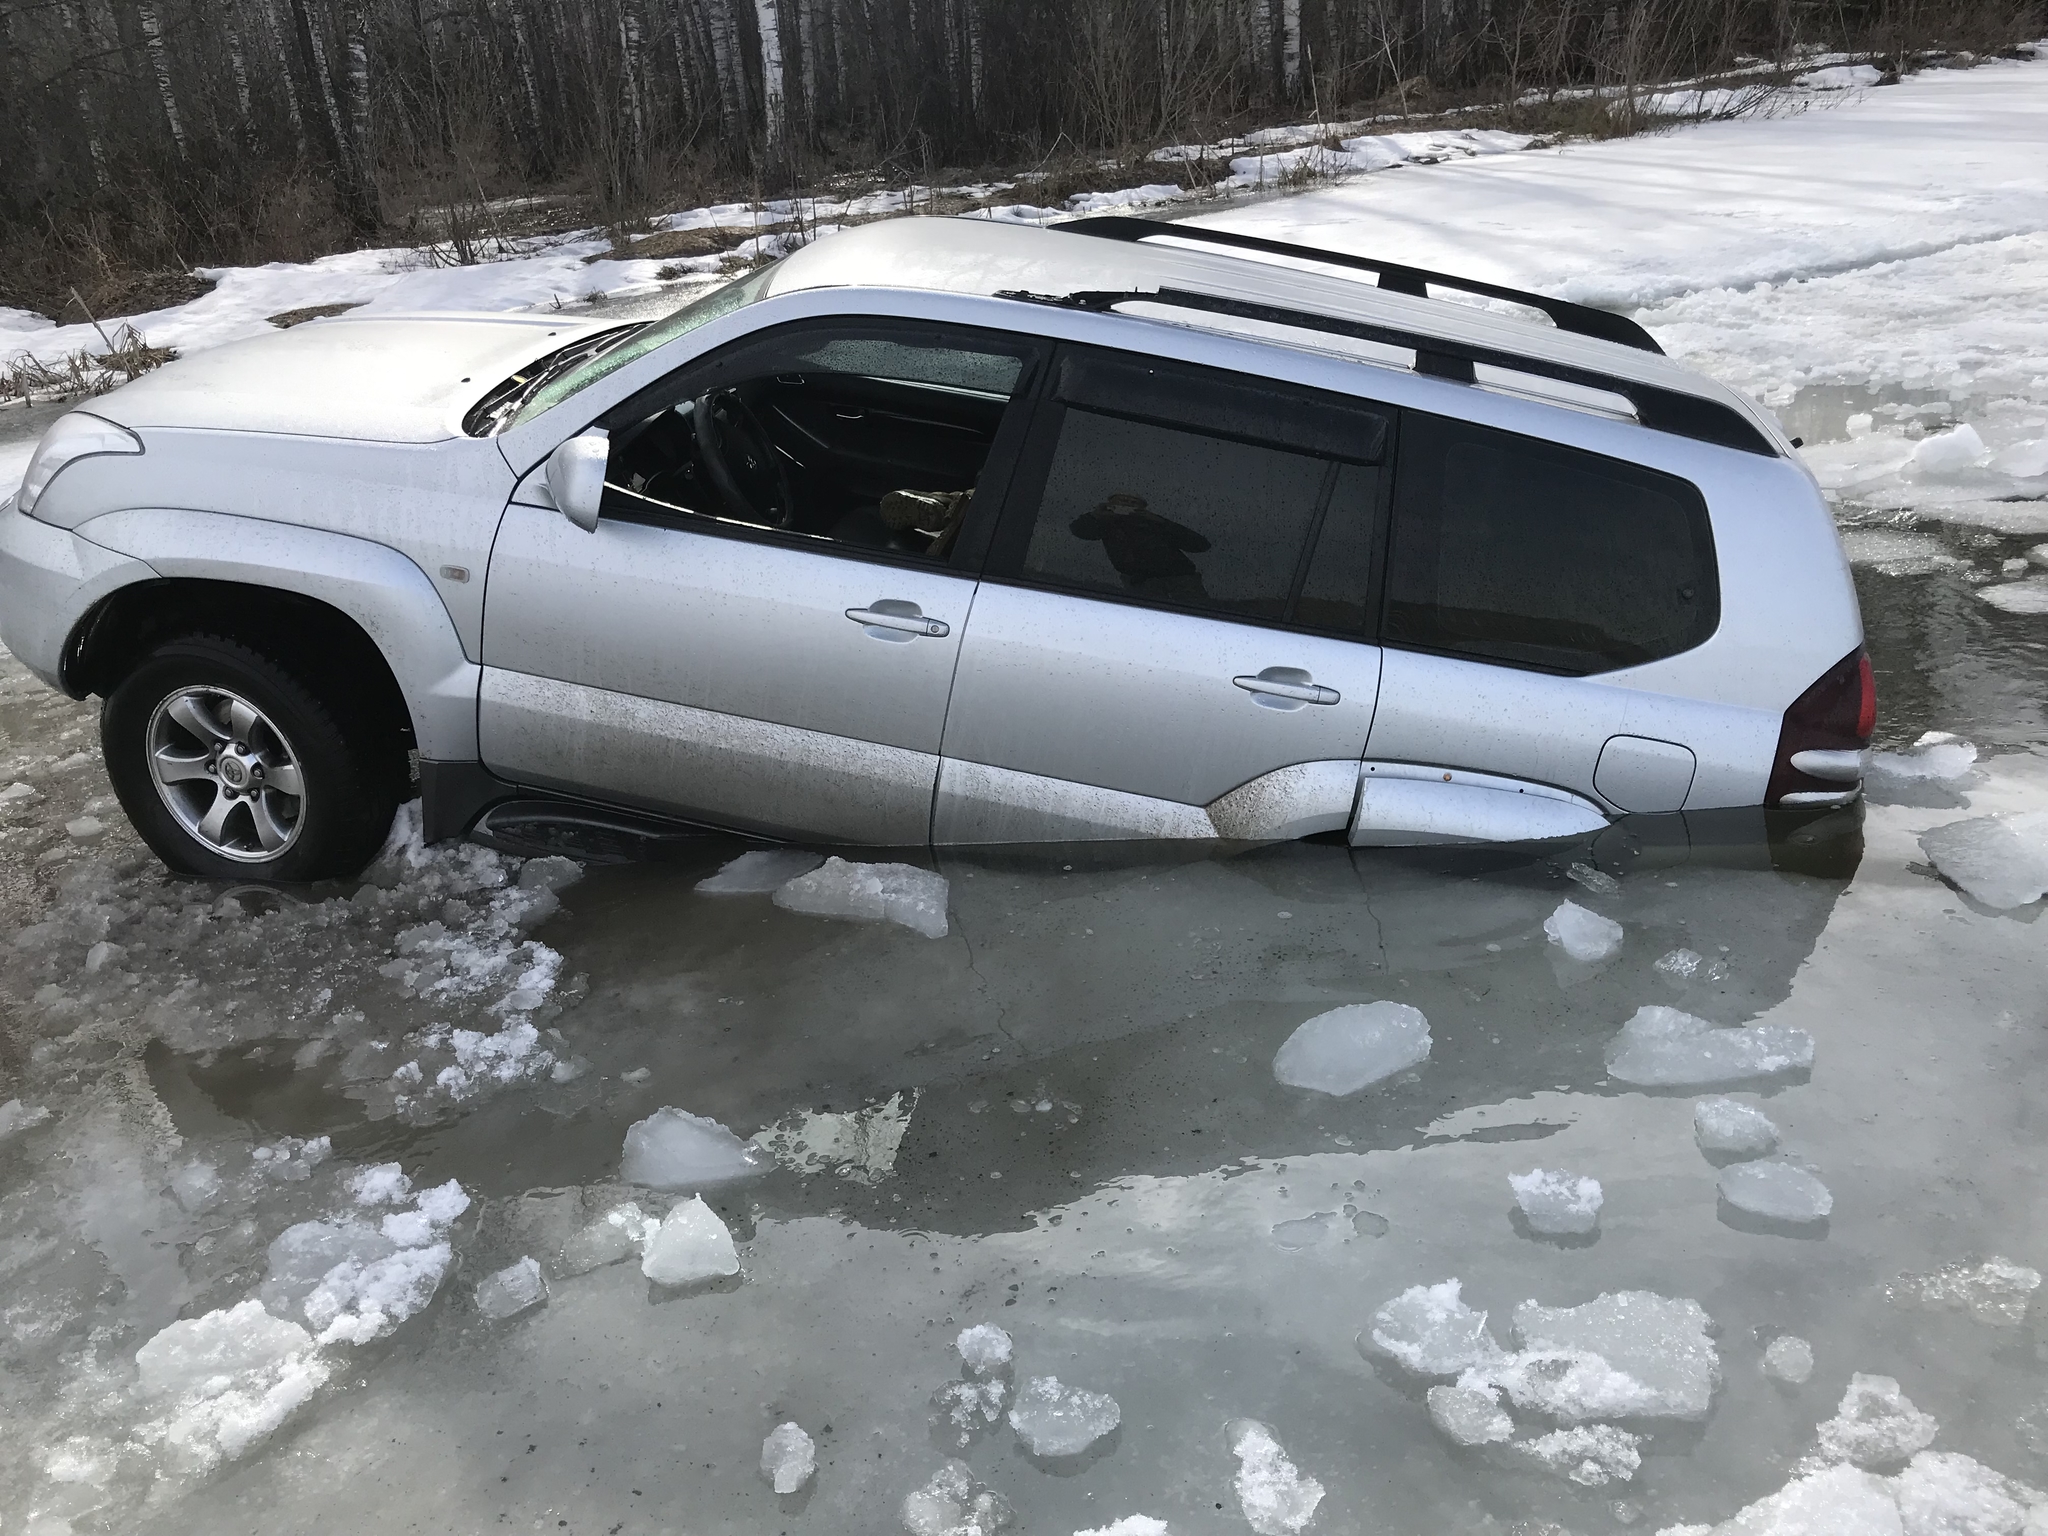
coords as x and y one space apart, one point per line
385 593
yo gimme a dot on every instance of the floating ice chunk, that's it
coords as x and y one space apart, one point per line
1730 1128
972 1406
383 1184
674 1149
1776 1191
1623 1355
511 1290
301 1257
1665 1048
895 893
1130 1525
1556 1203
188 1356
1594 880
85 829
1836 1501
984 1349
1429 1331
1876 1425
1583 934
291 1158
1276 1499
619 1233
1994 1290
550 873
1470 1415
196 1186
691 1245
1944 1494
1789 1358
1591 1455
1053 1420
1349 1048
1936 755
788 1457
759 872
1940 455
1679 964
954 1504
355 1303
2001 861
434 1211
16 1117
2029 596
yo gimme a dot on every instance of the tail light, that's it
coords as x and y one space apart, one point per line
1820 745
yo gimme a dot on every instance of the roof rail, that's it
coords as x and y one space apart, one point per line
1664 410
1579 319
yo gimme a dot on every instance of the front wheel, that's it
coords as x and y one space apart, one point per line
231 768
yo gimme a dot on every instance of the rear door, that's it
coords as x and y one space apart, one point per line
1171 637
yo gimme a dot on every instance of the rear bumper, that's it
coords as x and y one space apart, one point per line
49 579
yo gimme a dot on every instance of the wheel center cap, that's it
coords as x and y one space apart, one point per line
233 771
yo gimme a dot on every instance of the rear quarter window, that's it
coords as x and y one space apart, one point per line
1516 550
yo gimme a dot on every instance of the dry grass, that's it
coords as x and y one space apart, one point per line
84 373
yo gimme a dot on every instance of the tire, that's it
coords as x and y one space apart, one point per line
231 768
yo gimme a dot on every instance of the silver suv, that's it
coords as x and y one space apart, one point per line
946 532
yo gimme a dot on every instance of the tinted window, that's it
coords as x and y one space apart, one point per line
1522 551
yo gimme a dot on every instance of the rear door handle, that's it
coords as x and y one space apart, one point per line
891 618
1289 683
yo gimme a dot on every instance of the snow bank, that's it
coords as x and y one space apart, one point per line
1663 1048
1352 1047
870 893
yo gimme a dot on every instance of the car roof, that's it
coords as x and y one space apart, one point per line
992 259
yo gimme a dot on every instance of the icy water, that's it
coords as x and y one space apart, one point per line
1060 1118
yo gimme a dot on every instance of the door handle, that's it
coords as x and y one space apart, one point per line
1290 683
893 619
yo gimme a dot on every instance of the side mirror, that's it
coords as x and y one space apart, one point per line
576 476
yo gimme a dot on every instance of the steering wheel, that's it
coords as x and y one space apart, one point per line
740 457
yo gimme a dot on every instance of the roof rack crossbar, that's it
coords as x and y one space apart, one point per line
1664 410
1579 319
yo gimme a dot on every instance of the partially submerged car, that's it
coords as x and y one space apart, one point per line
946 532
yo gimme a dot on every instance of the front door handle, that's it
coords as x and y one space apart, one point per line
1286 688
891 618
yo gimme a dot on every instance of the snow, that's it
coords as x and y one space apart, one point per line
16 1117
1789 1358
1352 1047
384 1184
1429 1331
356 1302
788 1457
674 1149
984 1349
1993 1290
1277 1499
1730 1128
2001 861
511 1290
1469 1415
870 893
1839 77
1056 1420
691 1246
1663 1048
954 1504
1591 1455
759 872
301 1256
1776 1191
1583 934
1556 1203
1876 1425
1623 1355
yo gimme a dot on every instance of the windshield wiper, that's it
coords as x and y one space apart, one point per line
490 414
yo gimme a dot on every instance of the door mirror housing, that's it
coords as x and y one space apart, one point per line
576 476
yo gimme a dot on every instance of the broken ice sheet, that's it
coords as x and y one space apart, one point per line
954 1504
1665 1048
1591 1455
691 1246
1056 1420
674 1149
859 1145
511 1290
1623 1355
895 893
1429 1331
788 1457
1876 1425
1993 1290
1583 934
1556 1203
759 872
2001 861
1276 1498
1730 1128
1776 1191
1469 1415
1352 1047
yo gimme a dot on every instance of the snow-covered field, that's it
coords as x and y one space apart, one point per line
1093 1192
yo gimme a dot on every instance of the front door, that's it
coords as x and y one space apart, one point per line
762 631
1172 637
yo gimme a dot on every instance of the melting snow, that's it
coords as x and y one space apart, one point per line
1583 934
1664 1048
1776 1191
674 1149
1730 1128
1053 1420
690 1246
788 1457
1349 1048
1276 1498
872 893
1556 1203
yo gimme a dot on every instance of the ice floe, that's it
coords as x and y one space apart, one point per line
1623 1355
1352 1047
759 872
1591 1455
690 1246
1556 1203
1665 1048
873 893
1875 1425
1993 1290
1788 1358
1469 1415
1730 1128
1275 1495
1582 933
509 1291
2001 861
1056 1420
674 1149
1429 1331
954 1504
789 1457
1776 1191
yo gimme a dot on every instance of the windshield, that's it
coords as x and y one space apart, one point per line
719 302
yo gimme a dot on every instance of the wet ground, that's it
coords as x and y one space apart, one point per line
1061 1118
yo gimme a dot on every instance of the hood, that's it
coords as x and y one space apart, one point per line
382 378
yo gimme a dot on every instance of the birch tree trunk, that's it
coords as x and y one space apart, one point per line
725 60
1290 47
268 11
160 68
88 119
362 156
238 66
774 88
